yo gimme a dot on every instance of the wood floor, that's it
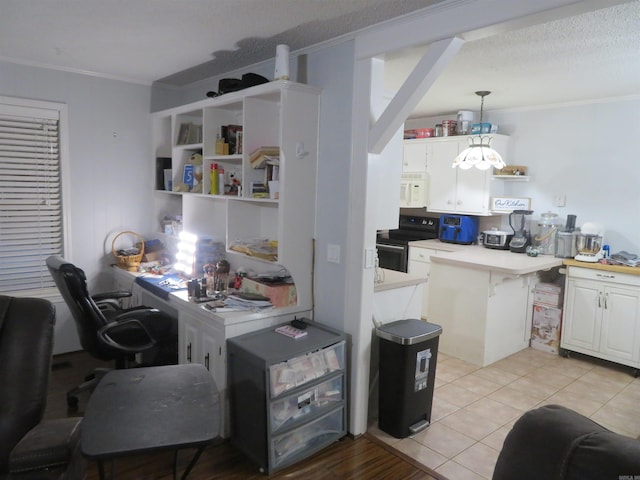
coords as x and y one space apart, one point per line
361 458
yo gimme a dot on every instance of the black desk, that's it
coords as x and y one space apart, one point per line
142 410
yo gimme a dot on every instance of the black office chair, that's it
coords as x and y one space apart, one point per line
31 447
108 332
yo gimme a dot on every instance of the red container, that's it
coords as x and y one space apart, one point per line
424 132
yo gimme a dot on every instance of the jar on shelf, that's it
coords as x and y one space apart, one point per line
545 237
449 128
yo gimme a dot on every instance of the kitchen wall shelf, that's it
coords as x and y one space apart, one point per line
511 178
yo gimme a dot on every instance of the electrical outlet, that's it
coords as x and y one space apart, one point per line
559 201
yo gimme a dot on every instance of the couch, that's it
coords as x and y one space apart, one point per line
556 443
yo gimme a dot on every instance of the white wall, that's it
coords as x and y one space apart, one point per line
585 152
111 174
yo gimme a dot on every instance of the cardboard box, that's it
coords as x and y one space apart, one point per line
280 294
545 328
548 294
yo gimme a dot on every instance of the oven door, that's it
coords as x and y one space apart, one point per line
393 257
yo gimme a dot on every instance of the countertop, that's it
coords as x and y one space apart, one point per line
393 280
600 266
479 257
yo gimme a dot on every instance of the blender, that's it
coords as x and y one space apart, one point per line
521 238
589 243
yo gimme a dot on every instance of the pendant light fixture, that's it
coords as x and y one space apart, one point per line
479 154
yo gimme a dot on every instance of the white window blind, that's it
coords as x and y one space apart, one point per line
31 217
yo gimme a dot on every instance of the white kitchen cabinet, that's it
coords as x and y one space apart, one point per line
414 159
453 190
279 114
419 265
602 315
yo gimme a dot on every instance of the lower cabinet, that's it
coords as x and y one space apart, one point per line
419 265
287 396
602 315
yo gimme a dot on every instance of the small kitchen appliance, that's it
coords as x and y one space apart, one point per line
589 243
566 239
497 239
462 229
521 237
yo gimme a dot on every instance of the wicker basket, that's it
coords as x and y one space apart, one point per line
128 262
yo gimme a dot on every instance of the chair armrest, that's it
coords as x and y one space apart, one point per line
49 444
99 297
127 333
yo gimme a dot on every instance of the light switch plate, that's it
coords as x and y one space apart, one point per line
333 253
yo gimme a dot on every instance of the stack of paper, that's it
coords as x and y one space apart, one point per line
247 300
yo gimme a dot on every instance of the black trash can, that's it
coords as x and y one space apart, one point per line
408 356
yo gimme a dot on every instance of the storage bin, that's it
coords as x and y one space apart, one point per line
297 371
545 328
548 294
299 406
322 431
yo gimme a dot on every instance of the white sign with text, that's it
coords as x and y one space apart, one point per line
509 204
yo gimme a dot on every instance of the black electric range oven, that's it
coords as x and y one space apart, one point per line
393 246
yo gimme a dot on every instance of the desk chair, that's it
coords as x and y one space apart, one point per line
30 447
108 332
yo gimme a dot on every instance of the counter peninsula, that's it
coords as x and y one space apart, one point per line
483 299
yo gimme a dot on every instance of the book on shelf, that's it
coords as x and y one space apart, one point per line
262 156
232 134
189 133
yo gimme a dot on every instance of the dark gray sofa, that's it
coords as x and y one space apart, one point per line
555 443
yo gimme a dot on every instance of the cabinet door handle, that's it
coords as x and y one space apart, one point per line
206 361
606 300
599 299
604 275
189 352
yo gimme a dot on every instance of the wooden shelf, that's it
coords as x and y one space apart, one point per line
511 178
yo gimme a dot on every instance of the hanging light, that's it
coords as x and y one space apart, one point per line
479 154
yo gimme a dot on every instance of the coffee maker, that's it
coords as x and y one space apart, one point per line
521 237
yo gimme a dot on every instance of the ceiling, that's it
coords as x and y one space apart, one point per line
593 55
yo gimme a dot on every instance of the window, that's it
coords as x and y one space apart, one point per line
31 194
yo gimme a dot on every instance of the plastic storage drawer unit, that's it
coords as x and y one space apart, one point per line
408 355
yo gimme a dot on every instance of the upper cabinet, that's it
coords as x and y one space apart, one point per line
415 156
262 144
453 190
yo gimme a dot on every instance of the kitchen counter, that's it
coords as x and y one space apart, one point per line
481 299
479 257
393 280
600 266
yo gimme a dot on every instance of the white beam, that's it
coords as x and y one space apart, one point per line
412 91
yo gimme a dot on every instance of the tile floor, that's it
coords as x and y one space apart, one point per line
474 408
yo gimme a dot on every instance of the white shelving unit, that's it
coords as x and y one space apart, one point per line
282 114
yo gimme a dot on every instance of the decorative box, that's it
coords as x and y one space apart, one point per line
281 294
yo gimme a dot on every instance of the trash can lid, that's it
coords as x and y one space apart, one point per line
409 331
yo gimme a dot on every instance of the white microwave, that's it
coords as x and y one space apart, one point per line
413 190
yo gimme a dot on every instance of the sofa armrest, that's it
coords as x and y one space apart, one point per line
49 444
556 442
